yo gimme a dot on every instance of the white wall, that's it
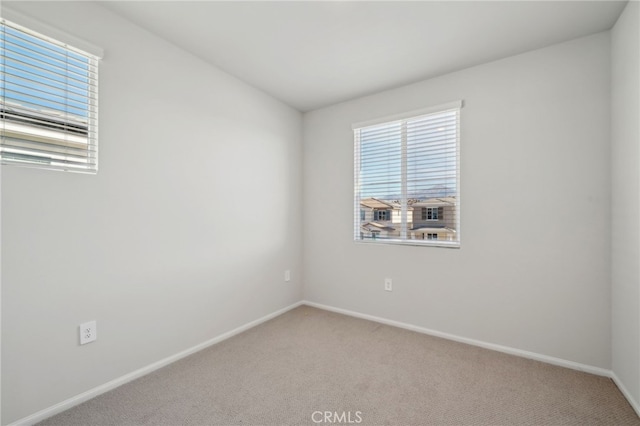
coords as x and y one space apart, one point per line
625 133
154 247
533 272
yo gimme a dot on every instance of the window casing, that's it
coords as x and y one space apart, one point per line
48 102
410 162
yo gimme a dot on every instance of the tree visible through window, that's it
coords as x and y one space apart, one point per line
411 164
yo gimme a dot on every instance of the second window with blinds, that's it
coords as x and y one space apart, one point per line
48 102
407 178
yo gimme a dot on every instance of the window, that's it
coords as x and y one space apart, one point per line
432 213
381 215
411 161
48 102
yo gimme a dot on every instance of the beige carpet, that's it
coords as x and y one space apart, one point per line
310 361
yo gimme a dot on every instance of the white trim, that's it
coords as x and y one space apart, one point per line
410 114
92 393
634 404
492 346
420 243
53 32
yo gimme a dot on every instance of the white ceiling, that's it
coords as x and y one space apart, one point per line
313 54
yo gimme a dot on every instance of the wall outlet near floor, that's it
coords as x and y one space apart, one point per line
287 275
88 332
388 284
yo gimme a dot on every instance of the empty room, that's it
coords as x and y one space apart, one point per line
320 212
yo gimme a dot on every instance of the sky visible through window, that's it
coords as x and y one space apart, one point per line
380 166
43 77
431 158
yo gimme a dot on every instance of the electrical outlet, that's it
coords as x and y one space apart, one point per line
88 332
388 284
287 275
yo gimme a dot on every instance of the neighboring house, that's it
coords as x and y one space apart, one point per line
434 219
377 230
381 219
431 219
374 210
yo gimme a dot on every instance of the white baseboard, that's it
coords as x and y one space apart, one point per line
512 351
626 393
92 393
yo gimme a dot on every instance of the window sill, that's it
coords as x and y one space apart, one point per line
420 243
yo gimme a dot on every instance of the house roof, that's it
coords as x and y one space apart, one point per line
374 203
437 202
376 226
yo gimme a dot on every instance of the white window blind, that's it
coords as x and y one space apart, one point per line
409 168
48 102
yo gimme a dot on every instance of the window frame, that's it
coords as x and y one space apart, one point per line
388 120
377 215
425 213
58 136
